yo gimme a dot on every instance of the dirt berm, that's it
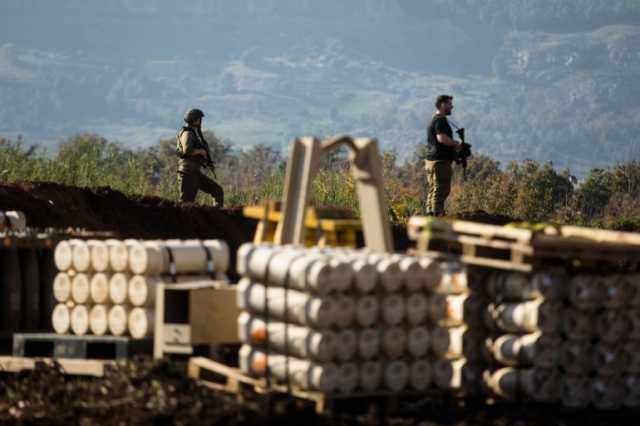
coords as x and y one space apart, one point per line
103 209
51 205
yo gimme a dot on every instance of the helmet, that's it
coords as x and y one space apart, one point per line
192 115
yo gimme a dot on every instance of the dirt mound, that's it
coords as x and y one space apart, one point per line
103 209
146 392
142 393
51 205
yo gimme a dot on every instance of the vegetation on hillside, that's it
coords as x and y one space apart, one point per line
544 80
528 191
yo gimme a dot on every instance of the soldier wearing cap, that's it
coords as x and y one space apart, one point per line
193 152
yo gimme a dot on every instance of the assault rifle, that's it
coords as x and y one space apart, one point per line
208 162
464 153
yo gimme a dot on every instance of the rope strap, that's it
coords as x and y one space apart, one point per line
211 270
172 265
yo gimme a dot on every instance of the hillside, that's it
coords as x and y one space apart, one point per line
550 81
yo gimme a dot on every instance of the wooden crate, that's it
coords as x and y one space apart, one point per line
192 314
513 248
51 345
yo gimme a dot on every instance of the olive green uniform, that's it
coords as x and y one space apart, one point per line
439 173
190 177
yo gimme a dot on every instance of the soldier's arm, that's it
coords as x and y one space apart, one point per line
443 138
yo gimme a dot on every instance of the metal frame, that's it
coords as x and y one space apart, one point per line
366 168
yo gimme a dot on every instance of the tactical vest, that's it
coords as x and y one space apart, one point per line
179 151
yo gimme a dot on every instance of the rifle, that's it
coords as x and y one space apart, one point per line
209 160
464 153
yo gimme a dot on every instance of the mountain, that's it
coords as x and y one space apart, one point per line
551 80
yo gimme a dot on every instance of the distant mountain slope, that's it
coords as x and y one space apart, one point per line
563 88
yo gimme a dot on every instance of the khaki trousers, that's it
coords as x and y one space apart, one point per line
439 174
192 181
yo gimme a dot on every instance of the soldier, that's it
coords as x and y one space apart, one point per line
193 151
441 152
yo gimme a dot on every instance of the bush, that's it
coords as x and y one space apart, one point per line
527 190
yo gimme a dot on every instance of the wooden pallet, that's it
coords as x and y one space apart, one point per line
220 377
50 345
86 234
473 243
48 238
81 367
520 249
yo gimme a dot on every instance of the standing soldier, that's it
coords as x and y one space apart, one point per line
193 151
441 152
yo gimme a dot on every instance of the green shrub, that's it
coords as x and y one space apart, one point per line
528 191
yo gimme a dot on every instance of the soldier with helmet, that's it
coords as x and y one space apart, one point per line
193 152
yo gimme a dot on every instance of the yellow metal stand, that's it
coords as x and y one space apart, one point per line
319 232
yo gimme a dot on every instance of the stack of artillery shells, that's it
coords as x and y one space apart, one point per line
336 320
455 312
26 273
565 338
525 316
108 287
600 356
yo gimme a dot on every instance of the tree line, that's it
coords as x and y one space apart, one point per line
525 191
